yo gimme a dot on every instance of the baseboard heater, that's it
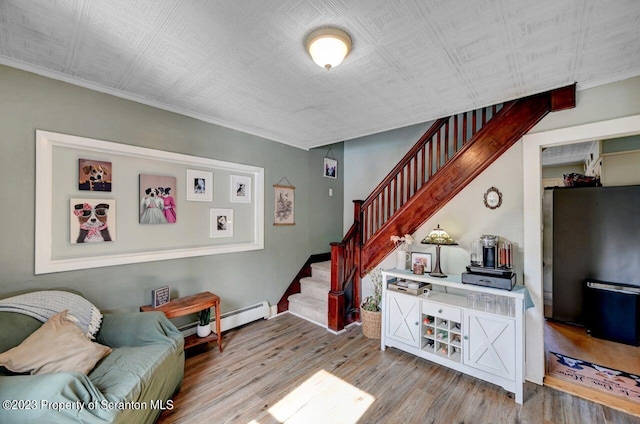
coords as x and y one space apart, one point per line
233 319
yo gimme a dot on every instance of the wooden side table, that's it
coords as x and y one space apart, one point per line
191 305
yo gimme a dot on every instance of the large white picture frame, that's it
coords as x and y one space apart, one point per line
54 254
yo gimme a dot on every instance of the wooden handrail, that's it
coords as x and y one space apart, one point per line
442 141
449 155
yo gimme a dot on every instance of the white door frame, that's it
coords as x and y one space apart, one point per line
532 199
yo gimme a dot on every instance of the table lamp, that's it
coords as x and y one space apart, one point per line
438 236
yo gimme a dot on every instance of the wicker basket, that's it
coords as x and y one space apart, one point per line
371 323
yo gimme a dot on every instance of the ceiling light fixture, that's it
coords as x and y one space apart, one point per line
328 46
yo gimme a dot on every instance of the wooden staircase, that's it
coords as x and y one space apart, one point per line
447 157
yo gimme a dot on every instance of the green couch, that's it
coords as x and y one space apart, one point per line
133 384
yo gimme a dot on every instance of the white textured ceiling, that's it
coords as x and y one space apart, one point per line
242 63
577 153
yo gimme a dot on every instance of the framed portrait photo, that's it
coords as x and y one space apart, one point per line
423 258
330 168
240 189
199 186
221 224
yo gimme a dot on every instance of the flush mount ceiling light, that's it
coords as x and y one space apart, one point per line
328 46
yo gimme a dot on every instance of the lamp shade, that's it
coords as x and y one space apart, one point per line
439 236
328 46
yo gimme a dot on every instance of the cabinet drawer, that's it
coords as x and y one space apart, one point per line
442 311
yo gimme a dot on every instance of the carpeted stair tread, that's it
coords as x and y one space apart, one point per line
309 308
321 270
319 289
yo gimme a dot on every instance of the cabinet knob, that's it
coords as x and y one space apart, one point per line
439 311
417 323
466 337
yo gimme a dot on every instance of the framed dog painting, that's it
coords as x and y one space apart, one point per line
94 175
157 199
92 220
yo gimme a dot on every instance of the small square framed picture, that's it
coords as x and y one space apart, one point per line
330 168
240 189
423 258
199 186
160 296
221 223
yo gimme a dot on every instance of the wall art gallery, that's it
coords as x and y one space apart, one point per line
101 203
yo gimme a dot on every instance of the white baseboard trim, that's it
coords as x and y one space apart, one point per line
232 319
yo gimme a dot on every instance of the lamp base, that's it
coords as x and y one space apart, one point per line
437 272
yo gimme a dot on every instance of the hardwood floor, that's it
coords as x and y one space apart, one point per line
574 341
289 370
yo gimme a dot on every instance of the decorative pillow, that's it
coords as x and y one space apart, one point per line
58 346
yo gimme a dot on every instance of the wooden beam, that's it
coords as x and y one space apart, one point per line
563 98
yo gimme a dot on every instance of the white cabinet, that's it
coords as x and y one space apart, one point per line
489 343
440 327
403 320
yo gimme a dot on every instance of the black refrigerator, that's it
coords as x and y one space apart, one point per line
596 236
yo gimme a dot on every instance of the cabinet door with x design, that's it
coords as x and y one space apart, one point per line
403 319
489 343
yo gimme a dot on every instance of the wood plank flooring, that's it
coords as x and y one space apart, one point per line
279 370
572 340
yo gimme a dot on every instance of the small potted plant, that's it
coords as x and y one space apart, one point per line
204 325
370 308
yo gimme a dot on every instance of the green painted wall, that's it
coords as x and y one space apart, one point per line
622 144
559 170
30 102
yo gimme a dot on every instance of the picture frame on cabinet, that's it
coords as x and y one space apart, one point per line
423 258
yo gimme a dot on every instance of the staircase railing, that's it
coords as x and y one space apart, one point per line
344 297
452 152
436 147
